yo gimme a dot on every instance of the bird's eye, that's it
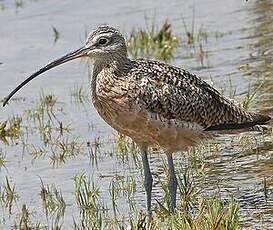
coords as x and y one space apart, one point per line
103 41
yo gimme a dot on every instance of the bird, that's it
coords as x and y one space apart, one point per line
154 103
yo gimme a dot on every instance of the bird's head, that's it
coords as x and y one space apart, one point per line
105 43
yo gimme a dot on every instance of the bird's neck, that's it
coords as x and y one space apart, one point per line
108 70
112 65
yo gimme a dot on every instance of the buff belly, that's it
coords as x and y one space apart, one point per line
147 131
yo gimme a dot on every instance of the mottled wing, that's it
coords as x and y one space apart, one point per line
173 95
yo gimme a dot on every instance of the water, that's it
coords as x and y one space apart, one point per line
239 34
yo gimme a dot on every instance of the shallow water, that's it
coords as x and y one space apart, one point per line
239 53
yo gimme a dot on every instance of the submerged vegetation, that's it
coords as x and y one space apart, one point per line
8 195
53 201
208 212
10 129
56 34
79 94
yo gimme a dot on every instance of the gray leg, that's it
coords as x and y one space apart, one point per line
172 183
148 180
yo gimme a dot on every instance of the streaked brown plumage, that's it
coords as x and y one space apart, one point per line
154 103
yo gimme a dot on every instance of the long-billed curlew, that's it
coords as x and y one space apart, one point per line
153 103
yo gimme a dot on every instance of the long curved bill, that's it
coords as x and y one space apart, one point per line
68 57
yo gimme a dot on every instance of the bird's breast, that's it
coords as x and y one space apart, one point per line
143 129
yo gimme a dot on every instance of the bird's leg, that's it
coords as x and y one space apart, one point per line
172 185
148 179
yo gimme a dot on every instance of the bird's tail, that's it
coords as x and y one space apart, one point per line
259 122
262 121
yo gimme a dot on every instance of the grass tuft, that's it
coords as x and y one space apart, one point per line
8 194
10 129
157 42
64 149
53 201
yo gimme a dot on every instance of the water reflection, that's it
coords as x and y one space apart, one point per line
261 56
